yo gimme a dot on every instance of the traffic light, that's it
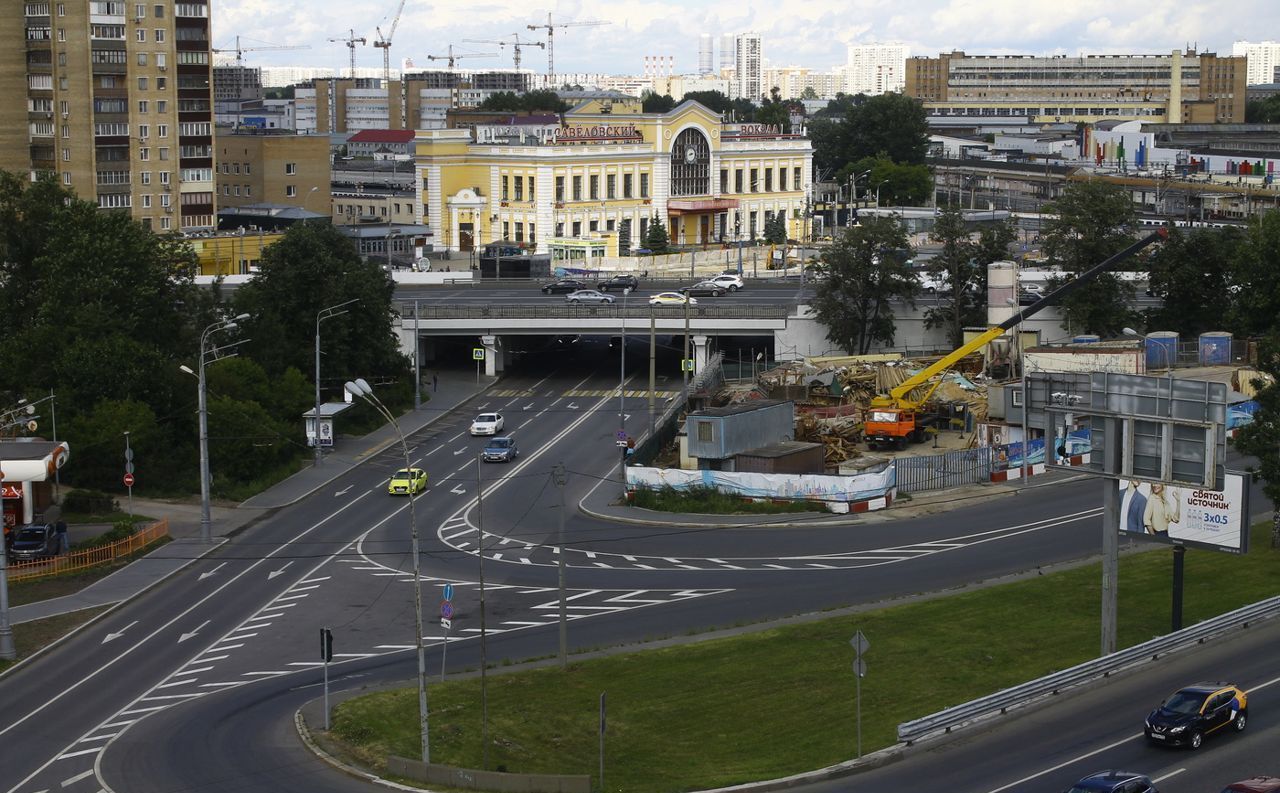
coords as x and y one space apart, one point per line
326 645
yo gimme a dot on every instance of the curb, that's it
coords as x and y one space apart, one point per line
304 734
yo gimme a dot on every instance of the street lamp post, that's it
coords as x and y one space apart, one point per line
737 236
321 315
208 356
622 382
360 388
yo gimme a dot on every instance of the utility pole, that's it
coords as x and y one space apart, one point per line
560 479
653 352
484 683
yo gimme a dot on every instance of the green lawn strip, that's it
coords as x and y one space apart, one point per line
709 501
29 637
34 590
780 701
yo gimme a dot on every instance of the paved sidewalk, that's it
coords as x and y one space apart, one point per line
454 389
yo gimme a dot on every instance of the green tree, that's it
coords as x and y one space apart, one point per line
994 242
97 447
653 103
775 229
311 268
1256 279
1089 223
866 270
1261 439
774 111
1187 267
1263 111
502 102
809 93
958 277
711 100
655 239
545 101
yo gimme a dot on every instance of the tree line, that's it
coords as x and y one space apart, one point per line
102 311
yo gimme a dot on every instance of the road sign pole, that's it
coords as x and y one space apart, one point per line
326 655
860 645
602 726
857 699
561 478
128 474
1110 537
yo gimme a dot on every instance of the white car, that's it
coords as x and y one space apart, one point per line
671 299
487 424
731 282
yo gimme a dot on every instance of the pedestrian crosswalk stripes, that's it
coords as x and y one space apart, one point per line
579 392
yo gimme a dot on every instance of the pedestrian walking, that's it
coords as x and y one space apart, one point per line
435 382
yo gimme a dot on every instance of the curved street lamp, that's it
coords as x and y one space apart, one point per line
360 388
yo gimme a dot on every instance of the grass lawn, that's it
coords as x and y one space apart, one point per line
37 634
780 701
709 501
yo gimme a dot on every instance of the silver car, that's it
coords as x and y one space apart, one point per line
588 296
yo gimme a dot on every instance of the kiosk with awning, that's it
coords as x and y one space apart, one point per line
28 467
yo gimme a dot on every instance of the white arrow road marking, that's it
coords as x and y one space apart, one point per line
343 491
572 406
460 451
214 571
626 416
528 406
275 573
457 490
186 636
119 633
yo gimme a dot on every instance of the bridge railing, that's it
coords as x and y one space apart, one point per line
615 310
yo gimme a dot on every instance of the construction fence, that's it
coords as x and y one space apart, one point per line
90 557
941 471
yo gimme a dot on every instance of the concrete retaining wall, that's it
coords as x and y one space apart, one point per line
470 779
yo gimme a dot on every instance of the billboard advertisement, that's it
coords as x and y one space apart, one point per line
1217 520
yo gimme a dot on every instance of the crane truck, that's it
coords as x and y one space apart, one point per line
895 418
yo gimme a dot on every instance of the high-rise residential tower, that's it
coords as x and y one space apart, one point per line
115 98
1262 59
748 80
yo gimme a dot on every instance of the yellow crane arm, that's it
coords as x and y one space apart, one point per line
897 396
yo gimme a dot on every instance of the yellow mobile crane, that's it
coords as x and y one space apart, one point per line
894 418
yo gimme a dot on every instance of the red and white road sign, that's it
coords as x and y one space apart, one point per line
128 480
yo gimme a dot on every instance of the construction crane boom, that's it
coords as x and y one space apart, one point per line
515 45
351 41
240 51
550 27
452 56
384 43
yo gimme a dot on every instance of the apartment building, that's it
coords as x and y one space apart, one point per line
272 166
1262 60
118 104
420 101
875 68
1187 87
748 82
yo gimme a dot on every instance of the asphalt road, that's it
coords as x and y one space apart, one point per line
192 686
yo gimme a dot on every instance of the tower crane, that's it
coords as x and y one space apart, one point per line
384 43
240 51
550 27
451 57
351 41
515 45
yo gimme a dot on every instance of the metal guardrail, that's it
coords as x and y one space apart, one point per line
564 311
945 721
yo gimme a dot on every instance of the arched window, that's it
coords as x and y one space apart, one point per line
690 164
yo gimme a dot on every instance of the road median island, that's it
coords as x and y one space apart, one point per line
778 701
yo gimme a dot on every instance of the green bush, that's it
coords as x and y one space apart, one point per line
120 530
707 500
89 502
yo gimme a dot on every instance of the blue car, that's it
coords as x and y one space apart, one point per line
1114 782
501 450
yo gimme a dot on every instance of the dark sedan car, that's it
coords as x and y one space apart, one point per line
1194 712
620 282
34 541
705 288
564 285
1114 782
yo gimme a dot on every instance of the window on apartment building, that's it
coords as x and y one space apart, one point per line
145 176
768 180
291 191
782 179
62 9
506 230
166 224
577 229
577 188
142 59
162 106
159 11
140 35
164 152
144 130
595 187
142 83
62 59
143 105
724 180
609 225
164 177
505 195
531 183
290 168
593 226
159 35
66 155
560 229
796 181
66 177
611 186
396 208
754 187
626 185
161 61
644 227
737 181
519 185
533 237
248 167
144 154
236 190
248 190
559 189
162 83
644 184
519 231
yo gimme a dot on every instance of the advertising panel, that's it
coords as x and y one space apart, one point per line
858 487
1217 520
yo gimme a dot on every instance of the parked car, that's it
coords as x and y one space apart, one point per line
407 482
671 299
732 281
588 296
34 541
563 285
487 424
705 288
501 450
1114 782
1194 712
1255 784
619 282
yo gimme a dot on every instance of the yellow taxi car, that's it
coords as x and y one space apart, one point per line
1194 712
407 482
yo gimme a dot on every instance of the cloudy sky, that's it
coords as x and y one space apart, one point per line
796 32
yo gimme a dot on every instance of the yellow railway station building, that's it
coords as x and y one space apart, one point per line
606 169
